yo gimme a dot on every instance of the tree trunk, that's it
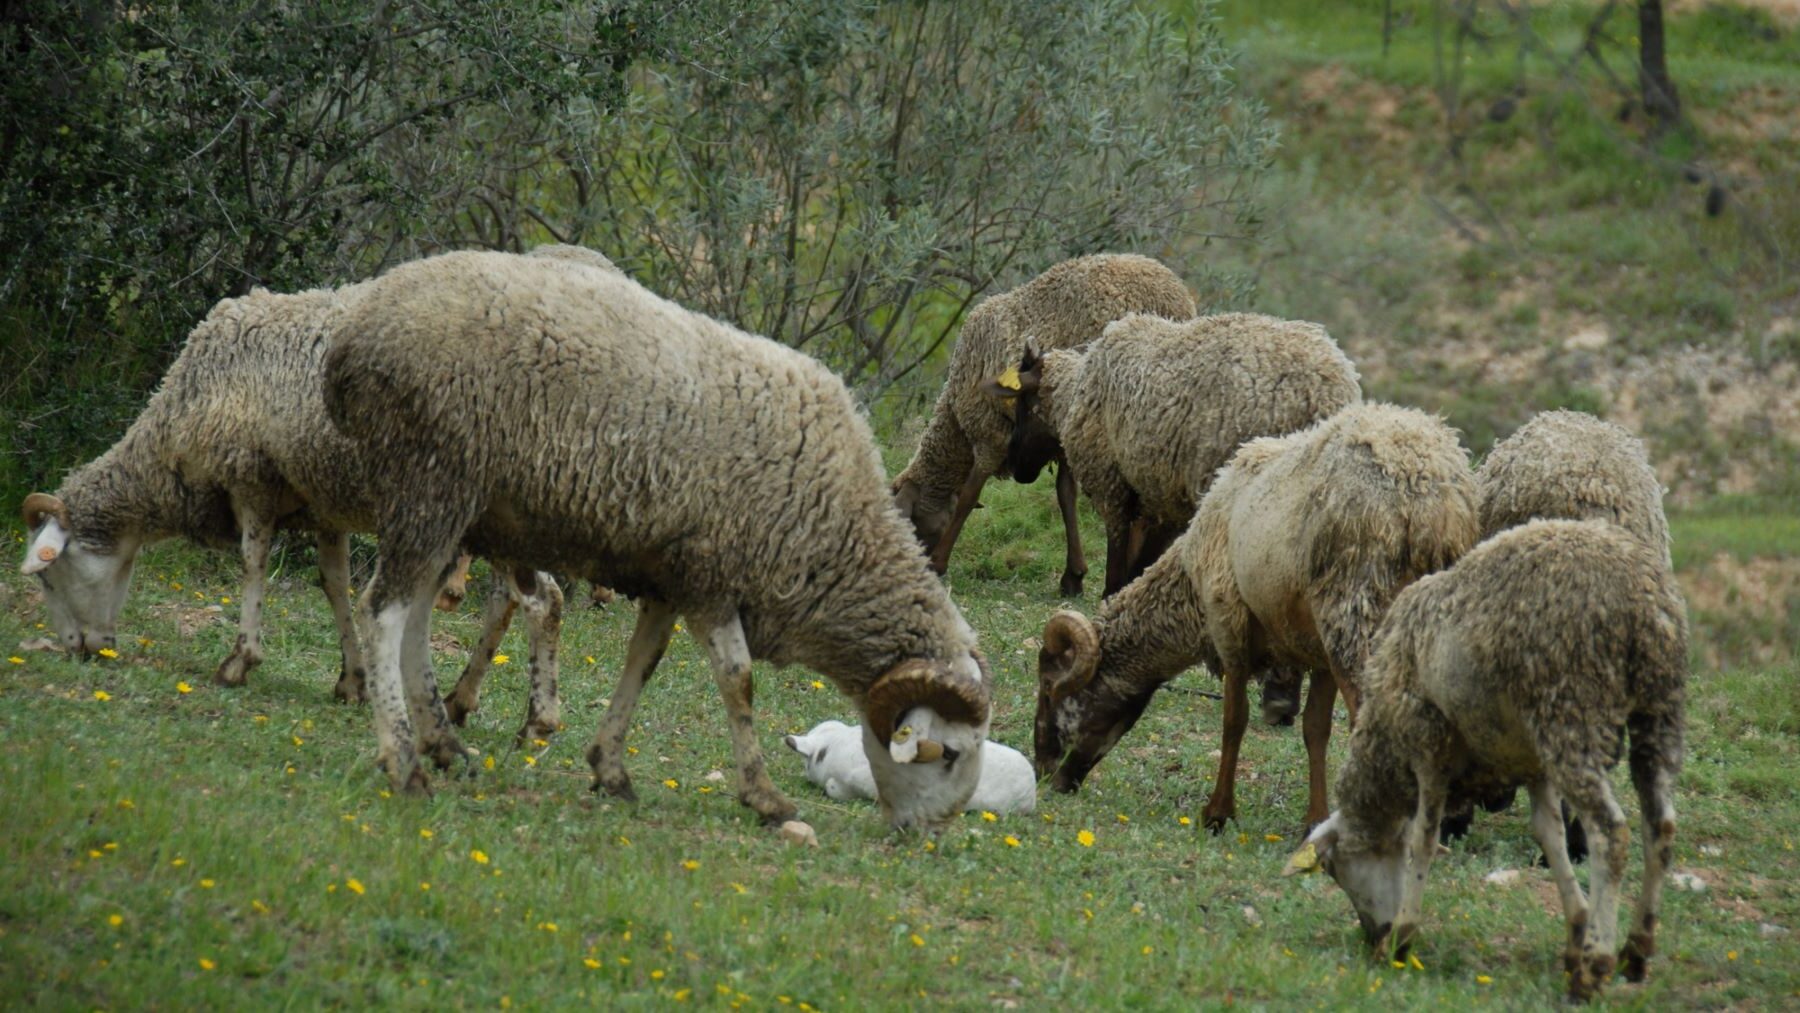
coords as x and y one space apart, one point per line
1660 100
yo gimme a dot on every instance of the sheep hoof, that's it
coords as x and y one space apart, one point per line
234 670
536 730
1071 584
1635 957
447 751
1215 821
404 774
770 806
351 687
458 712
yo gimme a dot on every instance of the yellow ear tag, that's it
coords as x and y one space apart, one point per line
1304 860
1009 379
46 553
903 733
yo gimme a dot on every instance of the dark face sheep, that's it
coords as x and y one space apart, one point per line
1032 444
1077 722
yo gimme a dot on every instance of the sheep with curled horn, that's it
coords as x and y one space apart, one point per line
1530 661
552 415
233 447
1146 415
1291 559
965 441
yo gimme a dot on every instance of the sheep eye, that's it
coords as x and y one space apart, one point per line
950 755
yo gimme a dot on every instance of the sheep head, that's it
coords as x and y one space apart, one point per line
1078 718
925 722
1032 443
84 587
1370 873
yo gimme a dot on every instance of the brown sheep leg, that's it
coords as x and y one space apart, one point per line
1315 728
730 655
334 578
496 615
258 536
1074 562
1653 775
649 639
966 498
1118 554
1222 805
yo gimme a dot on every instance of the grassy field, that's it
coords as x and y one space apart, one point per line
169 841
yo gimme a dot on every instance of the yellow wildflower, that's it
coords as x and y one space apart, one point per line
478 856
591 963
423 885
425 833
689 864
656 975
261 719
355 885
1412 960
740 888
816 684
1124 818
259 907
107 652
1482 979
681 994
207 884
224 599
126 803
298 741
548 926
15 659
589 659
115 920
178 862
1730 954
487 763
1184 821
1011 841
671 784
501 659
102 695
182 687
530 761
1272 838
1085 838
917 940
206 965
1149 950
988 817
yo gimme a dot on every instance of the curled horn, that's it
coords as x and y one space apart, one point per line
39 505
916 682
1070 654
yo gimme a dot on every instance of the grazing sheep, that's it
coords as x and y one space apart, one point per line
1527 662
233 446
965 441
1145 416
1566 465
835 762
1291 560
552 415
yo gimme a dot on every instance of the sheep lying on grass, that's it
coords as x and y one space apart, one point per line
1291 559
1528 662
233 447
964 443
1147 415
835 762
555 415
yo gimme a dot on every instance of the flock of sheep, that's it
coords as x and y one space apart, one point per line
1488 629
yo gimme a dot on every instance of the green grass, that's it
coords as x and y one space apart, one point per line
249 829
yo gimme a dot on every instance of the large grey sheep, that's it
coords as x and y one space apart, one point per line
1528 662
964 443
233 446
550 415
1291 560
1145 416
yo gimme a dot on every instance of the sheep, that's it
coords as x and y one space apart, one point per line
835 762
552 415
1291 559
1146 415
1566 465
233 446
1527 662
965 440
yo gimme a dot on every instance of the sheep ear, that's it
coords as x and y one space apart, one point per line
1313 855
46 546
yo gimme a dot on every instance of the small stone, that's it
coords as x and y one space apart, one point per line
799 834
1502 877
1251 916
1770 930
1687 881
715 776
1032 644
1711 850
1588 339
37 644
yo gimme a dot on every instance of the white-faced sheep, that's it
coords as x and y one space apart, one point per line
559 416
1291 559
1566 465
964 443
234 446
1528 662
836 763
1145 416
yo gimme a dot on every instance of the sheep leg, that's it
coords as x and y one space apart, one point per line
1074 562
1118 554
966 498
1315 728
1592 798
436 738
258 537
450 596
1655 751
650 638
1421 848
1546 826
730 657
1222 805
496 615
387 609
543 603
334 578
